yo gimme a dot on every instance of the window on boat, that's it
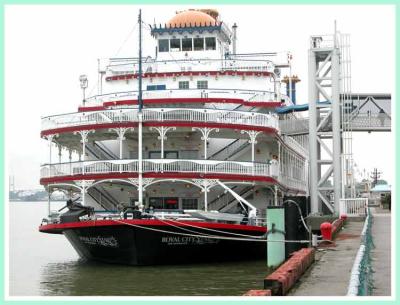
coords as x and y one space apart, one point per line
163 45
171 155
189 154
198 44
189 204
202 84
175 45
164 202
155 155
167 154
156 203
184 85
210 43
187 44
156 87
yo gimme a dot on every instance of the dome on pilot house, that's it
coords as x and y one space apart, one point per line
193 18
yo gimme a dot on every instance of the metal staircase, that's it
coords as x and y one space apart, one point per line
103 198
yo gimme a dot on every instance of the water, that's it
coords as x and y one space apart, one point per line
47 265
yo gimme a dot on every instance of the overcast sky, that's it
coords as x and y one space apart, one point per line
48 47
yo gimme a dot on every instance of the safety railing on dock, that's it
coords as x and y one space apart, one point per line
361 274
354 206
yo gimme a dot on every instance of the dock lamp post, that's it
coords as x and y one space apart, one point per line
84 84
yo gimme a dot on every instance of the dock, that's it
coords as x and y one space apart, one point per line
330 274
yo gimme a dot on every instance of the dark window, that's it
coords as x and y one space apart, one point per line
202 84
156 203
175 45
186 44
189 154
171 155
198 44
155 155
156 87
184 85
164 203
171 203
163 45
167 154
189 204
210 43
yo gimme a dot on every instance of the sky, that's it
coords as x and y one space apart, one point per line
48 47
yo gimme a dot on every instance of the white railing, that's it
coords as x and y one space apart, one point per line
294 126
246 95
167 166
155 165
292 143
123 67
293 183
354 206
161 114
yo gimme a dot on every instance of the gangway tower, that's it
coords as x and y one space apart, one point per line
328 88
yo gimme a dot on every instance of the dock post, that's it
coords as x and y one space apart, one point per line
276 236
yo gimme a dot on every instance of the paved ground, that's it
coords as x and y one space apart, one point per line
330 274
381 262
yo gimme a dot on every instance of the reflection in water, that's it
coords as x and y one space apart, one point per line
83 278
46 264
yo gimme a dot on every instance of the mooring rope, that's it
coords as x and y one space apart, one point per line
213 230
208 236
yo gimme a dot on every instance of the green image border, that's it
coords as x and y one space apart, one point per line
3 189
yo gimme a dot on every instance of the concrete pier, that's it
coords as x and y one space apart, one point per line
330 274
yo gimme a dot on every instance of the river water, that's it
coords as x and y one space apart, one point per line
47 265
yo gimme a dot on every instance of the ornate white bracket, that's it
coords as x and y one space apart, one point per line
84 134
146 181
121 136
84 184
253 136
162 136
205 132
205 185
121 131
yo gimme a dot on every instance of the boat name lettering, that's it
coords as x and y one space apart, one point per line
101 241
187 240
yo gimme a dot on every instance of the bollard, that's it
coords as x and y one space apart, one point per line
326 230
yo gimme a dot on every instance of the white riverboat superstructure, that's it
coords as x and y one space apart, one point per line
207 143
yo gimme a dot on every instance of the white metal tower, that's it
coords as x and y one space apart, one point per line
324 110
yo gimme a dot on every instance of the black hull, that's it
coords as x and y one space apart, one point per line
137 246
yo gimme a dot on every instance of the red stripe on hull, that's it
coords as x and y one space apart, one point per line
52 228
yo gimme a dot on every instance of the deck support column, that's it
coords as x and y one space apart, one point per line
162 131
205 185
121 137
253 136
84 138
70 161
205 135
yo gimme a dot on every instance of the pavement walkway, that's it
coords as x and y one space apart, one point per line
330 274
